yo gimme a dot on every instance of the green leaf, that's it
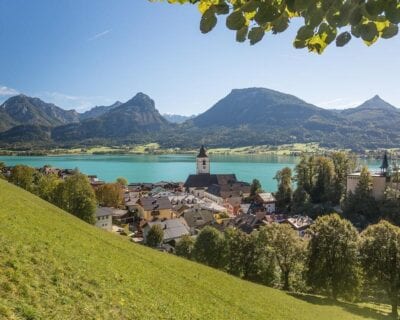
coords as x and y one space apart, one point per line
208 21
266 14
235 20
343 39
299 44
355 16
256 34
369 31
250 6
392 12
222 8
241 34
304 33
374 7
391 31
280 24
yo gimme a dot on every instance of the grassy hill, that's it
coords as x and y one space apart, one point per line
53 266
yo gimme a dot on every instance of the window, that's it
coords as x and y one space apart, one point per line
204 162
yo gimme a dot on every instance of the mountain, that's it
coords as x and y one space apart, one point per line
374 112
98 111
24 110
176 118
261 107
55 266
134 117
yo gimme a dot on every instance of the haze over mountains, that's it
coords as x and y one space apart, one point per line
251 116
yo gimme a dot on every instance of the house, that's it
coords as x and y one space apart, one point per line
249 222
267 201
120 216
381 180
197 217
151 208
300 223
104 218
173 229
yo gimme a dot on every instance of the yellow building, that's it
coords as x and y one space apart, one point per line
151 208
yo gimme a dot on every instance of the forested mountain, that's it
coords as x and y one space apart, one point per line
375 112
136 116
24 110
260 106
98 111
252 116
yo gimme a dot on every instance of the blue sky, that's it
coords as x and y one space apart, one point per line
82 53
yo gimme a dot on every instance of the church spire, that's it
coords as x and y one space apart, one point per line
202 152
385 163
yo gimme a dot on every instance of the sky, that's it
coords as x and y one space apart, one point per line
78 54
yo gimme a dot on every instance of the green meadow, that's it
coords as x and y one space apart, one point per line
54 266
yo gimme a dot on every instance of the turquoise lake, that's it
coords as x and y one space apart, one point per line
154 168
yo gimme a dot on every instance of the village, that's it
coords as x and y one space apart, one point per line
204 199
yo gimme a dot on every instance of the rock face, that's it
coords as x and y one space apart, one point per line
98 111
138 115
24 110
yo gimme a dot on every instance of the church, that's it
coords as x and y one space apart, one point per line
220 185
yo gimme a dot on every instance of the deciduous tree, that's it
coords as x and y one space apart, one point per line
75 195
332 263
285 192
210 248
184 247
380 256
23 176
155 236
323 22
255 188
288 249
110 195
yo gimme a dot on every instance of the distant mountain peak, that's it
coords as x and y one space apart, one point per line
376 102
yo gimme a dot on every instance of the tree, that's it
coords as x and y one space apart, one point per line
75 195
237 251
210 248
184 247
288 249
23 176
155 236
324 22
332 264
110 195
255 188
2 165
360 207
380 256
342 166
284 193
324 174
46 185
122 181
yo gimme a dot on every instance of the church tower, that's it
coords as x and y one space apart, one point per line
203 162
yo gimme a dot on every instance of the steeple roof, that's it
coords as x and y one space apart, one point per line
385 162
202 153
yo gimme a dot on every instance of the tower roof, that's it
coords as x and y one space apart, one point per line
385 162
202 153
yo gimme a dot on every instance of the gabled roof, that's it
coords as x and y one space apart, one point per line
206 180
173 228
151 203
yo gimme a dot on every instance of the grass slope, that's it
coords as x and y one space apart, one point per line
53 266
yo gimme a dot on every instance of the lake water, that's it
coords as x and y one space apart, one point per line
154 168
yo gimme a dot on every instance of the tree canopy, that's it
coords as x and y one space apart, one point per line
323 21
